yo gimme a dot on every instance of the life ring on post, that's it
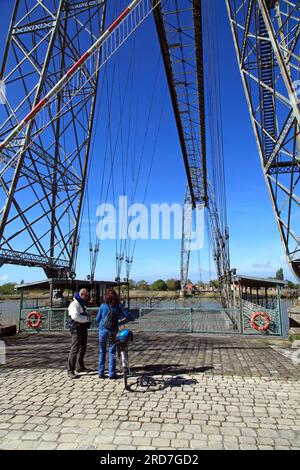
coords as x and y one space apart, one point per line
37 317
266 318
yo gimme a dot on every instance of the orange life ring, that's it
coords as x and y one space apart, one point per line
37 317
265 316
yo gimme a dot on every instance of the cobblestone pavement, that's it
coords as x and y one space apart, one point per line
207 393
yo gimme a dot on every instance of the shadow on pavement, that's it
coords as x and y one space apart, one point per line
168 369
148 383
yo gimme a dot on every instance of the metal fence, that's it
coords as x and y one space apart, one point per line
248 308
53 319
170 320
190 320
197 320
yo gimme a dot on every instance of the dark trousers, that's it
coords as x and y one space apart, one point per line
78 348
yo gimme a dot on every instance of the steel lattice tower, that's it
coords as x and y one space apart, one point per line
266 36
44 168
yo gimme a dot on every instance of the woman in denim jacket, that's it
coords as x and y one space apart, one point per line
108 318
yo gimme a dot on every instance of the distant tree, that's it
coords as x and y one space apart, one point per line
159 285
8 288
291 285
173 284
142 285
215 283
280 275
201 285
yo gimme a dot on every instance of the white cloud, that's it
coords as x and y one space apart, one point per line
263 265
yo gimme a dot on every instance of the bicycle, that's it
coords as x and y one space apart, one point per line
122 351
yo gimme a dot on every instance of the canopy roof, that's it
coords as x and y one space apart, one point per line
75 284
247 281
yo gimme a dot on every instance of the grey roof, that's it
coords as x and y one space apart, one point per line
249 281
65 283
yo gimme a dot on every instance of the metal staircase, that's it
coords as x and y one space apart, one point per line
266 95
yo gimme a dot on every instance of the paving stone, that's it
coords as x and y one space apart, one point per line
180 444
66 438
249 432
215 437
139 442
37 420
192 429
151 427
160 442
14 435
197 444
210 429
131 426
103 440
248 447
31 436
230 431
247 440
20 419
8 444
28 445
152 433
47 445
171 427
288 434
215 445
67 446
122 440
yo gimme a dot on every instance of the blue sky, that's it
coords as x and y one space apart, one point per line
255 243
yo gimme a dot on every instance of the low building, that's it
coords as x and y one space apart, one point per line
52 297
254 296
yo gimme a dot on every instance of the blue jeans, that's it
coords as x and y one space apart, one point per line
104 336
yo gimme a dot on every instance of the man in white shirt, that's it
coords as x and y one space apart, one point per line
79 323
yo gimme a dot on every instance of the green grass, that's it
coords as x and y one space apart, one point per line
293 338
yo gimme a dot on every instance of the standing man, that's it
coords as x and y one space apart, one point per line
79 323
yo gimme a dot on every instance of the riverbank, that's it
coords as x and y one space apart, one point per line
27 296
167 295
134 294
156 295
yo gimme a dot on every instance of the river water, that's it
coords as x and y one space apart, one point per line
9 309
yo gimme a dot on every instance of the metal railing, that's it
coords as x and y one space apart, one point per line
53 319
190 320
248 308
169 320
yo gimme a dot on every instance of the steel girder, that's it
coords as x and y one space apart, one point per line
179 28
43 170
267 40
